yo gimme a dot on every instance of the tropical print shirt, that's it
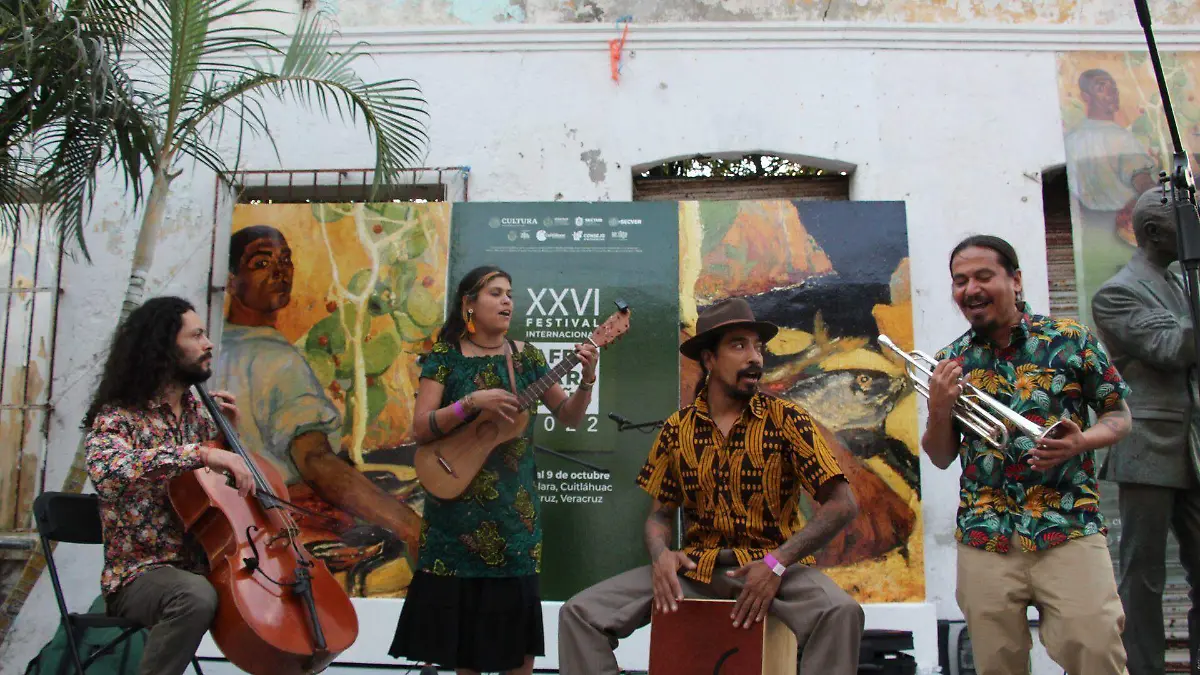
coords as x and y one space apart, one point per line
741 492
1052 368
132 455
493 529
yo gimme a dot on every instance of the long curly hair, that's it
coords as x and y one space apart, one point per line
143 357
469 287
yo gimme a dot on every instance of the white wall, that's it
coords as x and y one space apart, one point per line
955 122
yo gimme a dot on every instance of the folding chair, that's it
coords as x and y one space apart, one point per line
75 519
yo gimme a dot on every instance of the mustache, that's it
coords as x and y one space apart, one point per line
751 371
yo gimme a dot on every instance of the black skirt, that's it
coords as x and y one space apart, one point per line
483 624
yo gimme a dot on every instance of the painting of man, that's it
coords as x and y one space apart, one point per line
287 417
1107 168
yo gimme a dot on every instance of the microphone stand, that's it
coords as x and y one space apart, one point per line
624 424
1181 185
569 458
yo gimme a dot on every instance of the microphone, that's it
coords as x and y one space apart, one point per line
619 419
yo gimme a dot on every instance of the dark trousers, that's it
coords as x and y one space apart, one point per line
1146 513
177 607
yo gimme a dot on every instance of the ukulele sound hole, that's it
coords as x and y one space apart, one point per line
487 430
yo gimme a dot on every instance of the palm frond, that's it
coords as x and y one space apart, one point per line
183 36
313 74
67 108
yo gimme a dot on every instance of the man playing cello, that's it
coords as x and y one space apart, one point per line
145 427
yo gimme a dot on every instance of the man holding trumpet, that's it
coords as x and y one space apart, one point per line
1029 526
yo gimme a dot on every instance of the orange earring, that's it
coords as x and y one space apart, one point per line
471 321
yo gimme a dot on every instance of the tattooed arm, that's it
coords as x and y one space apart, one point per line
666 563
838 509
837 504
657 531
1110 428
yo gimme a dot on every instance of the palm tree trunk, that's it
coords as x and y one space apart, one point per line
147 242
143 258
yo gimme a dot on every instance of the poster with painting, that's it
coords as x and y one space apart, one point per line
327 308
833 276
1117 142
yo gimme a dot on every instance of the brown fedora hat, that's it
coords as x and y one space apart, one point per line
724 314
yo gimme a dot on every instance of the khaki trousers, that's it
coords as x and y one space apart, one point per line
1073 589
827 622
177 607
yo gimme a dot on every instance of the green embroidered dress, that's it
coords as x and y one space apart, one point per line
494 528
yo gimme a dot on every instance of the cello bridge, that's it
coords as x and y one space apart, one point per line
287 533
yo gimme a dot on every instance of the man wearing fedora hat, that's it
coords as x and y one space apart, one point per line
737 461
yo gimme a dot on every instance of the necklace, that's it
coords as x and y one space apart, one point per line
484 346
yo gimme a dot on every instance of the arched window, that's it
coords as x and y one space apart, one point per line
755 175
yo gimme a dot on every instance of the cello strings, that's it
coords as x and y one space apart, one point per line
260 481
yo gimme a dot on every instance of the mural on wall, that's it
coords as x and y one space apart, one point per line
838 278
327 308
1117 142
451 12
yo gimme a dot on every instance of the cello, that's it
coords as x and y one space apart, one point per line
280 610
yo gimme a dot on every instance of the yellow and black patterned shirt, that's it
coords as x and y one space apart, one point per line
742 492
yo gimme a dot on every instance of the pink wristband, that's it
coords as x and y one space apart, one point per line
458 410
774 564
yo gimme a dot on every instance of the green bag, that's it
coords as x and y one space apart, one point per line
55 657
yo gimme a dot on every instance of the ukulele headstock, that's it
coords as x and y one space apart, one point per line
613 327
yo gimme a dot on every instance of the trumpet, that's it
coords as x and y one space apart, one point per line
981 414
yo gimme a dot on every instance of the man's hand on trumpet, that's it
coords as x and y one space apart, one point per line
945 386
1050 452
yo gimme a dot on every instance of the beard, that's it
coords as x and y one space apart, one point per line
196 372
741 390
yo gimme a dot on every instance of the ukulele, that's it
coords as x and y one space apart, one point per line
446 467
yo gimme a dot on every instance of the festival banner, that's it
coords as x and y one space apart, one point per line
327 308
570 263
833 276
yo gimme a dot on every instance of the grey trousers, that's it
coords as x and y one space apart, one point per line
828 623
1146 513
177 607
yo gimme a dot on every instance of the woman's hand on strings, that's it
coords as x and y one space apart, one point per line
498 401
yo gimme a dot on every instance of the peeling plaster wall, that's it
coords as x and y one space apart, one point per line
960 136
375 13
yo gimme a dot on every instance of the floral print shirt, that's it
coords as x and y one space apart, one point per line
1053 368
493 529
741 492
132 455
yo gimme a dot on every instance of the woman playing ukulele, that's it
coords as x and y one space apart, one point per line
474 604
